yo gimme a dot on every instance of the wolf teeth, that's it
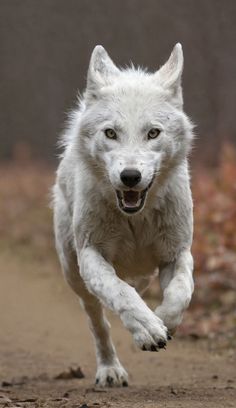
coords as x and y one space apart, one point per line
137 204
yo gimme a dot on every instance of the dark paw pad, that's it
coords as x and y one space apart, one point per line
125 384
144 348
161 344
154 348
109 380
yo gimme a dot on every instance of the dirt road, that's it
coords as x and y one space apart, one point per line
44 331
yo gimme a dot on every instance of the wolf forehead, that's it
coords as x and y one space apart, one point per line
132 85
131 115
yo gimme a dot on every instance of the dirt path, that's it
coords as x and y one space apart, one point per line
44 331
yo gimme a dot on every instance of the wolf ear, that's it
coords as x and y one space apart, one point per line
102 70
169 75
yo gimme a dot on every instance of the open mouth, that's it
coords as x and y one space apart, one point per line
131 201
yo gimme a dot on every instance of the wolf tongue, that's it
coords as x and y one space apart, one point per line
131 198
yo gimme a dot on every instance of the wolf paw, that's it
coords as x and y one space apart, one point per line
150 341
111 376
149 332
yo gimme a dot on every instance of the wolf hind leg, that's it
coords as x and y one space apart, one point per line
109 369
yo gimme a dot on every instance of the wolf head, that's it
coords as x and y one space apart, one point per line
133 128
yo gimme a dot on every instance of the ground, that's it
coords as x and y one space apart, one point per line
44 331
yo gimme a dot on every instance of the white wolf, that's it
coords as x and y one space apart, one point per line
122 203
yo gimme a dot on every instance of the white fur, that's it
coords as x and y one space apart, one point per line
99 245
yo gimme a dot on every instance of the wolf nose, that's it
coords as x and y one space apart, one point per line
130 177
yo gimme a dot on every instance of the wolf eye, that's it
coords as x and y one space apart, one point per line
110 133
153 133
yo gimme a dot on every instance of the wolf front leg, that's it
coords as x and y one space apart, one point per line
176 280
100 278
110 372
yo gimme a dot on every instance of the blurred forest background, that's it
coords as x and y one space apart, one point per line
45 48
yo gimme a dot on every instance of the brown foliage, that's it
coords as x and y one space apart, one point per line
213 307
